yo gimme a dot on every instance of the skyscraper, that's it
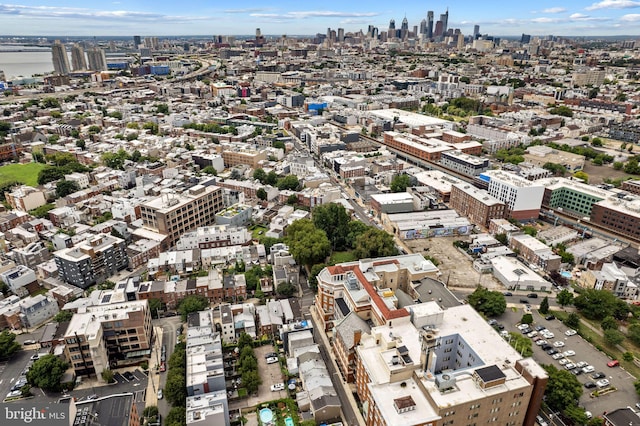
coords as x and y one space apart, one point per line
404 29
430 24
136 41
476 31
444 18
97 59
78 61
60 58
423 26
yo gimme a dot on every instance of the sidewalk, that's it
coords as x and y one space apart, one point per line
153 384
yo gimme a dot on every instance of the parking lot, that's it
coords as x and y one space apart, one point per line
620 379
270 375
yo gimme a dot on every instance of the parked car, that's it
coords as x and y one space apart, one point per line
558 344
523 326
548 334
557 356
492 322
613 363
588 369
546 347
552 351
550 317
532 334
541 421
29 342
128 375
582 364
564 361
570 366
598 375
525 301
508 293
541 342
160 394
590 385
532 295
272 360
602 383
277 387
570 332
271 355
163 367
540 328
569 353
576 371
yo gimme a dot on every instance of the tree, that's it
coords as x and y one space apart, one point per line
544 306
150 411
292 199
261 194
245 340
175 389
595 304
582 176
609 323
613 337
521 343
63 316
191 304
80 143
115 160
154 306
374 243
355 228
572 321
527 319
490 303
564 298
313 280
596 142
334 220
66 187
272 178
502 238
260 175
289 182
176 417
307 244
633 333
251 380
107 375
8 345
400 183
210 170
162 108
46 373
563 388
561 110
286 289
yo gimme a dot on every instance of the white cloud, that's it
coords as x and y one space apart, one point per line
248 10
614 4
583 17
554 10
544 20
314 14
631 17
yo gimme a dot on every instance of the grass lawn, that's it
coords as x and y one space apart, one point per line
25 173
341 257
258 231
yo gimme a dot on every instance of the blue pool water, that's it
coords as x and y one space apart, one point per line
266 416
288 421
566 274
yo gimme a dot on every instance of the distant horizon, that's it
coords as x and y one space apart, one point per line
73 18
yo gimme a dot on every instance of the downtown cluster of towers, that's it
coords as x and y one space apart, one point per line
429 30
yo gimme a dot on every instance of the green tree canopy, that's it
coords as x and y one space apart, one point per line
572 321
191 304
260 175
289 182
175 389
400 183
176 417
596 304
261 194
521 343
563 388
115 160
564 297
308 245
63 316
374 243
46 373
613 337
544 306
633 333
490 303
526 319
355 228
334 220
8 345
66 187
154 306
286 289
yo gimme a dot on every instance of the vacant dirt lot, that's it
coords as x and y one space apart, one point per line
456 267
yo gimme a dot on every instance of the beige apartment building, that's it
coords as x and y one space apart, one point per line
107 336
174 214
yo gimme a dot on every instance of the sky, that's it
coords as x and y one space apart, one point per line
277 17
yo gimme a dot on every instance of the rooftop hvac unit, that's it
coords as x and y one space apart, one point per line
445 381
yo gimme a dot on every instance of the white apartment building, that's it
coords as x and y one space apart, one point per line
522 197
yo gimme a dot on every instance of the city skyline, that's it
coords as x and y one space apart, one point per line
73 18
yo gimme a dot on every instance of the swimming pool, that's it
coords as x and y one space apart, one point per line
288 421
266 416
566 274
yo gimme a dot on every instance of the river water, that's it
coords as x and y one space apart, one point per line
25 64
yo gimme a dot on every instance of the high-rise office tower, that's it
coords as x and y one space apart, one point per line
444 18
136 41
430 24
404 29
526 38
60 58
97 59
476 31
78 61
438 31
340 34
391 32
423 26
